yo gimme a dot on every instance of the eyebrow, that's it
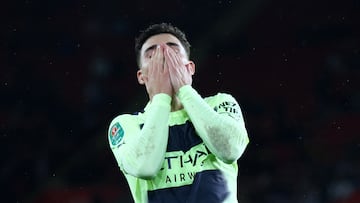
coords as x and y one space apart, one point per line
171 44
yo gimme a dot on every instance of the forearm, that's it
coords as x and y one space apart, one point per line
224 136
145 154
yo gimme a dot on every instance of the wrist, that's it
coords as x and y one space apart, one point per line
183 90
161 99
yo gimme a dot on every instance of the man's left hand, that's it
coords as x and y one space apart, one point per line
180 73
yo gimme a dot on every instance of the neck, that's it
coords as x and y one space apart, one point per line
176 104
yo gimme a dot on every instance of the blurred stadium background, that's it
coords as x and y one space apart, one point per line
68 68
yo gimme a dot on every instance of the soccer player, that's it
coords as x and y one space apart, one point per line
182 147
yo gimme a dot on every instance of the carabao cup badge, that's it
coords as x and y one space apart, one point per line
116 134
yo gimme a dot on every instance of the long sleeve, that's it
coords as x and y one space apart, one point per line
141 151
223 131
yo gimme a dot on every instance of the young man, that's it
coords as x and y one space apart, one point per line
182 147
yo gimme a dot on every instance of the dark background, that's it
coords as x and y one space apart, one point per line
68 68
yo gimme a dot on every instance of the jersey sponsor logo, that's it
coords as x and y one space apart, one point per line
181 177
229 107
116 134
190 158
182 167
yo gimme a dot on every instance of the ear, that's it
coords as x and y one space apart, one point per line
191 66
140 77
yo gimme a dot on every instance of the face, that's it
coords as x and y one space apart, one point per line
148 48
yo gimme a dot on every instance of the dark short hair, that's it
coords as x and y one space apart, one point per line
160 29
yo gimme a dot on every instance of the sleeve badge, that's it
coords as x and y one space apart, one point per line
116 134
230 108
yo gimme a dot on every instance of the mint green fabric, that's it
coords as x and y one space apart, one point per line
218 121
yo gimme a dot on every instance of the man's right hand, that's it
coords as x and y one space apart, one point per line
157 79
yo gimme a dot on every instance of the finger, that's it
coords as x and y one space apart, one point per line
185 67
166 60
170 65
158 52
178 59
155 60
172 52
162 56
176 55
170 58
178 63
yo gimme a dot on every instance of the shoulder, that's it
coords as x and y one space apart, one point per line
225 103
220 98
123 118
120 126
